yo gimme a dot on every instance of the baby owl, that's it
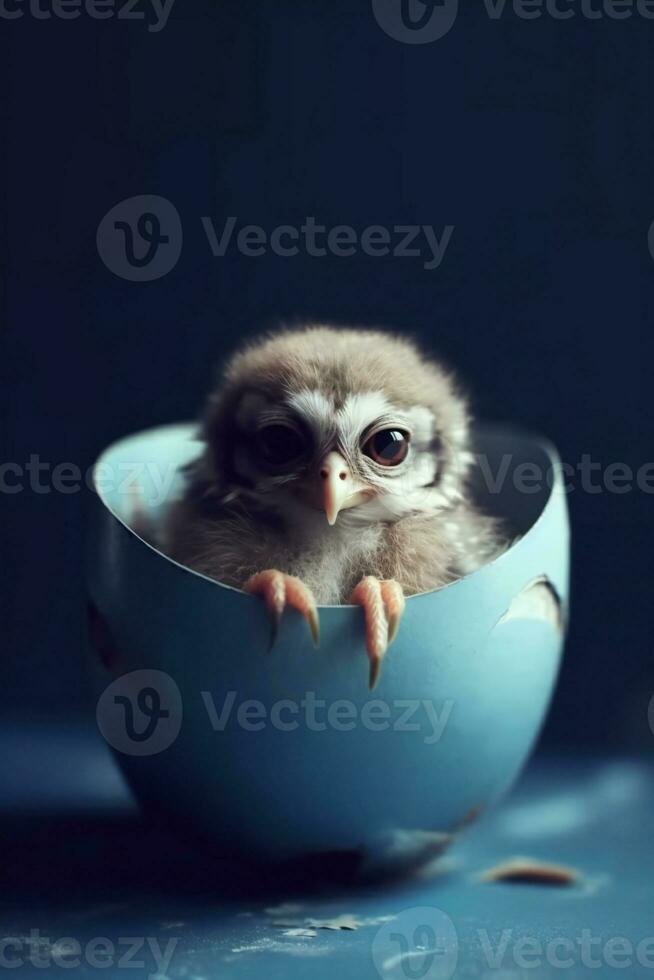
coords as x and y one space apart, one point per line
334 471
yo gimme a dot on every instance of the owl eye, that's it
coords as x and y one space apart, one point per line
279 443
388 447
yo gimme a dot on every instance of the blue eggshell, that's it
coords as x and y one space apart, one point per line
316 763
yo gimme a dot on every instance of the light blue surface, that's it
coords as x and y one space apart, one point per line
282 793
78 861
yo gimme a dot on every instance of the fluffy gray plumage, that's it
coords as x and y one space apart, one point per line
332 388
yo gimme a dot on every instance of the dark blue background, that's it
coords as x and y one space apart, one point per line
533 138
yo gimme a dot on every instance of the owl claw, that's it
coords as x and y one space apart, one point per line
393 626
275 619
395 603
314 625
280 590
373 676
383 605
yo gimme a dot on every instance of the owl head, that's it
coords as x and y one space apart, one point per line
353 424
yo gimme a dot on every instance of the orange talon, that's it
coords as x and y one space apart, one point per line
280 590
368 594
383 605
301 598
395 603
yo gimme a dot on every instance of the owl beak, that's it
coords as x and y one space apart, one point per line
338 487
